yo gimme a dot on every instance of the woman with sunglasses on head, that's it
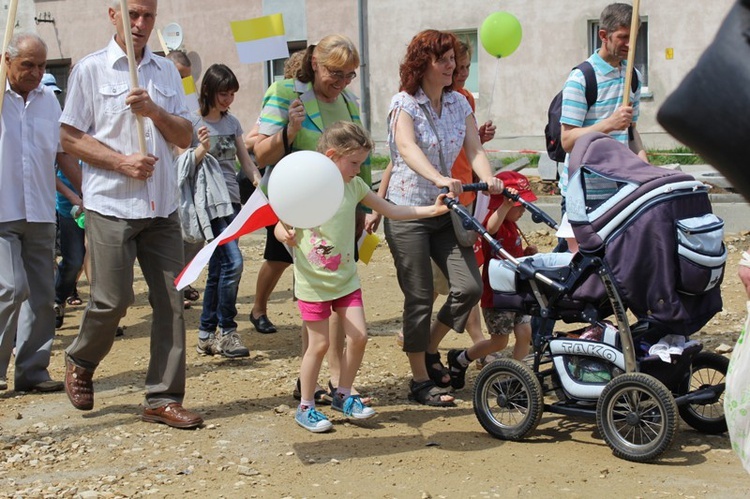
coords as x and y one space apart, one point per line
295 113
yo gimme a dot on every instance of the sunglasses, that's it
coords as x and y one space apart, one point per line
340 75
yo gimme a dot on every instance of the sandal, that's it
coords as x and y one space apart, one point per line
74 299
457 371
321 397
191 294
437 374
367 400
426 393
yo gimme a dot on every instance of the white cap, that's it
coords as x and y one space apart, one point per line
50 81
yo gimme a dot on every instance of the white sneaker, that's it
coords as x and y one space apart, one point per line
352 406
312 420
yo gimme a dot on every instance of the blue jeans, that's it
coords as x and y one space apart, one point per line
72 251
223 282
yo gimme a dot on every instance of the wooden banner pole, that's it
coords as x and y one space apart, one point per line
133 70
634 23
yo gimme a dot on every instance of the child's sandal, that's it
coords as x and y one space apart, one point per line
437 374
322 397
457 371
426 393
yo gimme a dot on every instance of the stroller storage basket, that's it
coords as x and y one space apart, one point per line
673 374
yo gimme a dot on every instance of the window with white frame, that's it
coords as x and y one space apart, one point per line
641 46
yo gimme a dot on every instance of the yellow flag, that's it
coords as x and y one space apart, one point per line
260 39
191 95
367 244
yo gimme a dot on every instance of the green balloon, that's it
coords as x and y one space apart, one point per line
500 34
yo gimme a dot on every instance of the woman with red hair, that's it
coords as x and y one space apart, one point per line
428 124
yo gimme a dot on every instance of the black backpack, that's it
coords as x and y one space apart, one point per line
553 130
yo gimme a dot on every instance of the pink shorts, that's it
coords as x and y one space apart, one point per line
321 310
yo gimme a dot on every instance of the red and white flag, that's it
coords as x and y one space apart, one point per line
256 213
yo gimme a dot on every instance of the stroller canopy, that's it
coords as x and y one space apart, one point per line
631 213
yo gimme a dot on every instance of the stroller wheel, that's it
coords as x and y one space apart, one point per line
508 399
708 373
637 416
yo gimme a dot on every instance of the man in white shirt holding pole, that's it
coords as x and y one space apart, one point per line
131 201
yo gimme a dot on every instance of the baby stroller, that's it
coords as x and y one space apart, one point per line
650 246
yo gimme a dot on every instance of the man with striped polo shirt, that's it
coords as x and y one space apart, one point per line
607 114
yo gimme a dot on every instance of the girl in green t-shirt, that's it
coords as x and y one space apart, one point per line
326 275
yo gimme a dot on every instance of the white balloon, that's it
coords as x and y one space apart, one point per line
305 189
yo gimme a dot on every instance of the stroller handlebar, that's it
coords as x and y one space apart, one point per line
471 223
537 214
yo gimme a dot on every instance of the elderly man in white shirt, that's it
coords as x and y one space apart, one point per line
29 146
131 204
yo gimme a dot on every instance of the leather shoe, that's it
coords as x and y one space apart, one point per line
173 415
79 386
262 324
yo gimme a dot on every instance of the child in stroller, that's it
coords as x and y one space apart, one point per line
650 247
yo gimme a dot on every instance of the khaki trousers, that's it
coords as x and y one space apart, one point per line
114 245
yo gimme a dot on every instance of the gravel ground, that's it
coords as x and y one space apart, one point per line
251 447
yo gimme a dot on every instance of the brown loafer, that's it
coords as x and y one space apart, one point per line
173 415
79 386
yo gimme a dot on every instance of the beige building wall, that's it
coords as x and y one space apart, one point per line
554 40
82 26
